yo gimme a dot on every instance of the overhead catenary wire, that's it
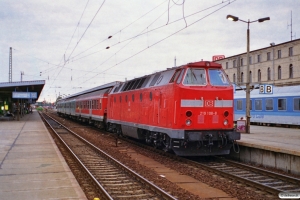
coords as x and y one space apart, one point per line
161 40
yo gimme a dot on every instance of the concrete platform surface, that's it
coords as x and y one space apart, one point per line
31 166
276 139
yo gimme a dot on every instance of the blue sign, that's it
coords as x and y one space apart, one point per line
24 95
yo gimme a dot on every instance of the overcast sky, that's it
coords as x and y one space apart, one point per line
65 42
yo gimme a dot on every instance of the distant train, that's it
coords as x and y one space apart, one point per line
186 109
280 107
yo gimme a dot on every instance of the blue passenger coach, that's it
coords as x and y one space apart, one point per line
281 107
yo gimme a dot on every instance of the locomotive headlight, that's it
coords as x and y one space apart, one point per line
225 122
188 122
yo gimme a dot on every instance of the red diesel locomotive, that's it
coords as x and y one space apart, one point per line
186 109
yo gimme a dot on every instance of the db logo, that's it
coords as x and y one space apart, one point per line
209 103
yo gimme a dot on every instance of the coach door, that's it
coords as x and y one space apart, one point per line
90 107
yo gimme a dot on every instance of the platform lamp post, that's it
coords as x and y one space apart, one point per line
234 18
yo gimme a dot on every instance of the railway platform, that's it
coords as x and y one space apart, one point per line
31 166
275 147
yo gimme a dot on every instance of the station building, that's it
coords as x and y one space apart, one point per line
277 64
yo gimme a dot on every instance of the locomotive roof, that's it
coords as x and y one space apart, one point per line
277 92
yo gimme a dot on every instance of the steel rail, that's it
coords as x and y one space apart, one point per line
138 177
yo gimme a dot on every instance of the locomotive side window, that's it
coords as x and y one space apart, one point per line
239 104
146 81
180 76
195 77
154 79
281 104
176 74
269 104
297 104
217 77
258 104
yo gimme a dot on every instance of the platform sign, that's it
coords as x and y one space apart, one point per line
24 95
265 89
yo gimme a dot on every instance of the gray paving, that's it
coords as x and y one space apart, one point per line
31 166
277 139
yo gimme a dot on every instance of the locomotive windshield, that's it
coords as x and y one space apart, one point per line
217 77
195 77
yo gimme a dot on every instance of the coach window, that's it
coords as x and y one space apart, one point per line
296 104
239 104
281 104
250 104
269 104
258 104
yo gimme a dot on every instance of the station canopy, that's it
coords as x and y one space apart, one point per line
20 89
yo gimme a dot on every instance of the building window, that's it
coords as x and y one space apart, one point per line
291 71
242 77
259 75
234 78
226 65
250 60
234 63
291 51
250 74
279 72
258 58
279 54
242 62
269 73
269 56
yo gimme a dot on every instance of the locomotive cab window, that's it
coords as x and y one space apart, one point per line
195 76
217 77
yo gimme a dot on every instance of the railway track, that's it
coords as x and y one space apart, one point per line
264 180
113 179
